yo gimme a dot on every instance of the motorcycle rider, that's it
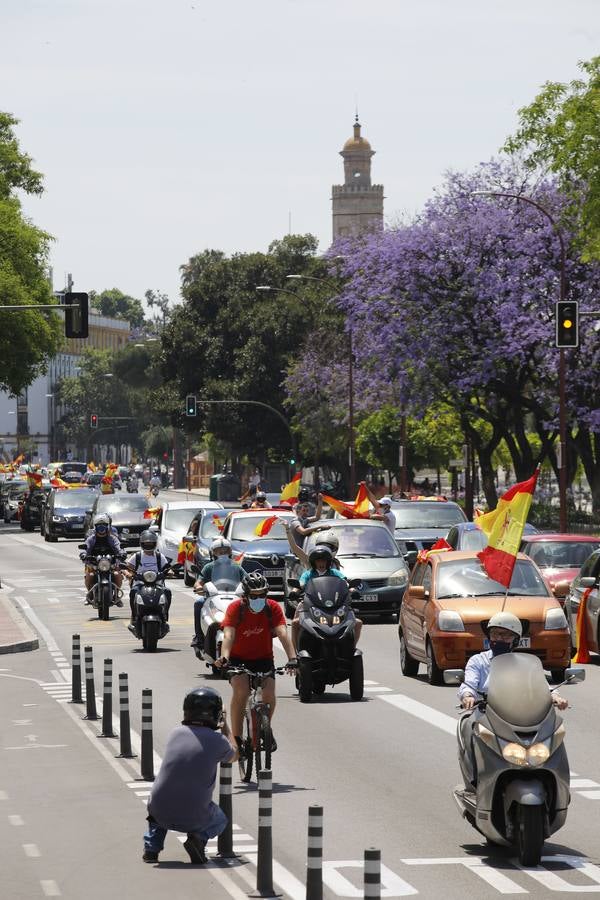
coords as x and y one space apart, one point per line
147 559
102 539
321 563
219 547
181 796
249 626
155 483
260 501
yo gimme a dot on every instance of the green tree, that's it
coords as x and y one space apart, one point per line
27 337
560 131
118 305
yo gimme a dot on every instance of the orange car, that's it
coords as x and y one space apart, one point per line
449 601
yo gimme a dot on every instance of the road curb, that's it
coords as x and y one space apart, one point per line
22 637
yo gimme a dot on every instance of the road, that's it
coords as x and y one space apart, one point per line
73 815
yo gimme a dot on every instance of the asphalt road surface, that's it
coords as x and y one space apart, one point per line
72 816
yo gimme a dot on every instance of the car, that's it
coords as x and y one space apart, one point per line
126 512
560 557
12 494
206 525
171 526
33 505
93 479
254 553
420 523
66 467
449 601
369 555
467 536
588 578
64 513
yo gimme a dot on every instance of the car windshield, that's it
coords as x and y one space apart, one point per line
467 578
212 523
362 540
178 519
561 554
247 528
421 514
69 498
79 467
113 505
16 487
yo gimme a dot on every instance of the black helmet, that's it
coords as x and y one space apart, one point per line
321 551
148 540
304 495
203 706
254 584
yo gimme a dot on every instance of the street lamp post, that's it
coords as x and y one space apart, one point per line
50 398
562 417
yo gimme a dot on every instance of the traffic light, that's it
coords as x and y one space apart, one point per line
76 315
292 461
93 420
190 405
567 323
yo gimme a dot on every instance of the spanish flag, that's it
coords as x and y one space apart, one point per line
440 546
357 510
34 480
92 466
291 490
19 459
152 512
504 528
264 526
218 521
57 482
582 654
185 551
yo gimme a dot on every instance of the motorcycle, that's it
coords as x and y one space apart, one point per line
104 592
519 793
150 605
132 485
154 491
220 592
327 652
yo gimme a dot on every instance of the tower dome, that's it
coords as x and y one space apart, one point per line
357 142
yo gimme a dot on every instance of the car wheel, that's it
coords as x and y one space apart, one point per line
50 538
435 675
408 665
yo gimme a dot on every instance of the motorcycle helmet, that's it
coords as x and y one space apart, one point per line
254 584
203 706
101 525
321 551
221 546
261 497
508 621
304 495
329 539
148 540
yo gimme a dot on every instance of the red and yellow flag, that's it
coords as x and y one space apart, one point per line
34 480
19 459
185 551
92 466
440 546
582 654
57 482
152 512
218 521
357 510
264 526
291 490
504 528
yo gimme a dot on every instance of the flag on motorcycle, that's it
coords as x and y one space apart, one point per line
264 526
34 480
504 529
291 491
357 510
582 654
185 551
152 512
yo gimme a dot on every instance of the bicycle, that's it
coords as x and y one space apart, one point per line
256 728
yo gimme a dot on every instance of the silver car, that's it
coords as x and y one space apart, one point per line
589 577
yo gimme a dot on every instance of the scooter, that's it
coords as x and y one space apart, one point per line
132 485
518 794
327 652
220 592
151 608
104 592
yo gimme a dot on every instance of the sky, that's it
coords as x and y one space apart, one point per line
165 127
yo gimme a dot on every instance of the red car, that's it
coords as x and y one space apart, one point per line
560 557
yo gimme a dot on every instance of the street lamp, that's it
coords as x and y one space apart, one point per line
50 397
268 287
562 419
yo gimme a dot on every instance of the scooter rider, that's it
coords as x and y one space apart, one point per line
147 559
102 539
219 547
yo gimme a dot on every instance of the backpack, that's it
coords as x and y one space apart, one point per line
138 560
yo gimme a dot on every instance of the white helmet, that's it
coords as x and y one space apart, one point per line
220 543
506 620
330 539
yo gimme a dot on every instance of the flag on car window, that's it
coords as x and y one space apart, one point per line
291 491
218 522
264 526
504 529
185 551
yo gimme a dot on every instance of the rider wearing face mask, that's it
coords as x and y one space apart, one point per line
249 627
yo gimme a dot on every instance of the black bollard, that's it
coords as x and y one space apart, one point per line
225 842
90 690
124 722
107 730
264 863
372 875
314 860
147 759
76 696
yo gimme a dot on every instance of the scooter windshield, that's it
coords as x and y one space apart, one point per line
225 575
326 592
517 690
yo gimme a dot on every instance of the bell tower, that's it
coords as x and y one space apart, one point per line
357 205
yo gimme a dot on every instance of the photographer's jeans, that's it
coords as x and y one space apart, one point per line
154 838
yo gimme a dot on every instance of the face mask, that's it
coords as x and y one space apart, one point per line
499 647
257 604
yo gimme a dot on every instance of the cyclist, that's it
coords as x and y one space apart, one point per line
103 538
219 547
249 626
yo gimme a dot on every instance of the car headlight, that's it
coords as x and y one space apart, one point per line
398 579
203 551
555 618
58 518
449 620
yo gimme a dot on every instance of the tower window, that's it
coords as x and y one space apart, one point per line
357 174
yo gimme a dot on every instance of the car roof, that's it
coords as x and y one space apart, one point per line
181 504
567 538
370 523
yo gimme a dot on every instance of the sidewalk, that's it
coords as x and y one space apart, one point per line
15 633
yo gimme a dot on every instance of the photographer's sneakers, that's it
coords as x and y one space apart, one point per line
195 850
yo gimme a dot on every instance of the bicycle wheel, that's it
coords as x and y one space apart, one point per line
265 735
246 752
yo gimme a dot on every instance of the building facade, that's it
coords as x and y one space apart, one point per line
357 205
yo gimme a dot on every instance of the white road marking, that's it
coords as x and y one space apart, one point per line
142 793
391 884
378 690
53 600
589 795
31 850
552 881
15 820
577 783
50 888
422 711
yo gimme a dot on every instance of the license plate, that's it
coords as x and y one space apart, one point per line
275 573
524 644
369 598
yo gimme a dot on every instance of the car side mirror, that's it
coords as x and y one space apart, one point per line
588 581
418 592
194 569
410 557
454 676
154 529
82 546
293 583
573 675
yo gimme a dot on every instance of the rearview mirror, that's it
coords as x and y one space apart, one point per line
293 582
418 592
454 676
193 569
154 529
587 581
82 546
574 675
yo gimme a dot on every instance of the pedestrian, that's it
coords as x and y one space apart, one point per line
181 796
